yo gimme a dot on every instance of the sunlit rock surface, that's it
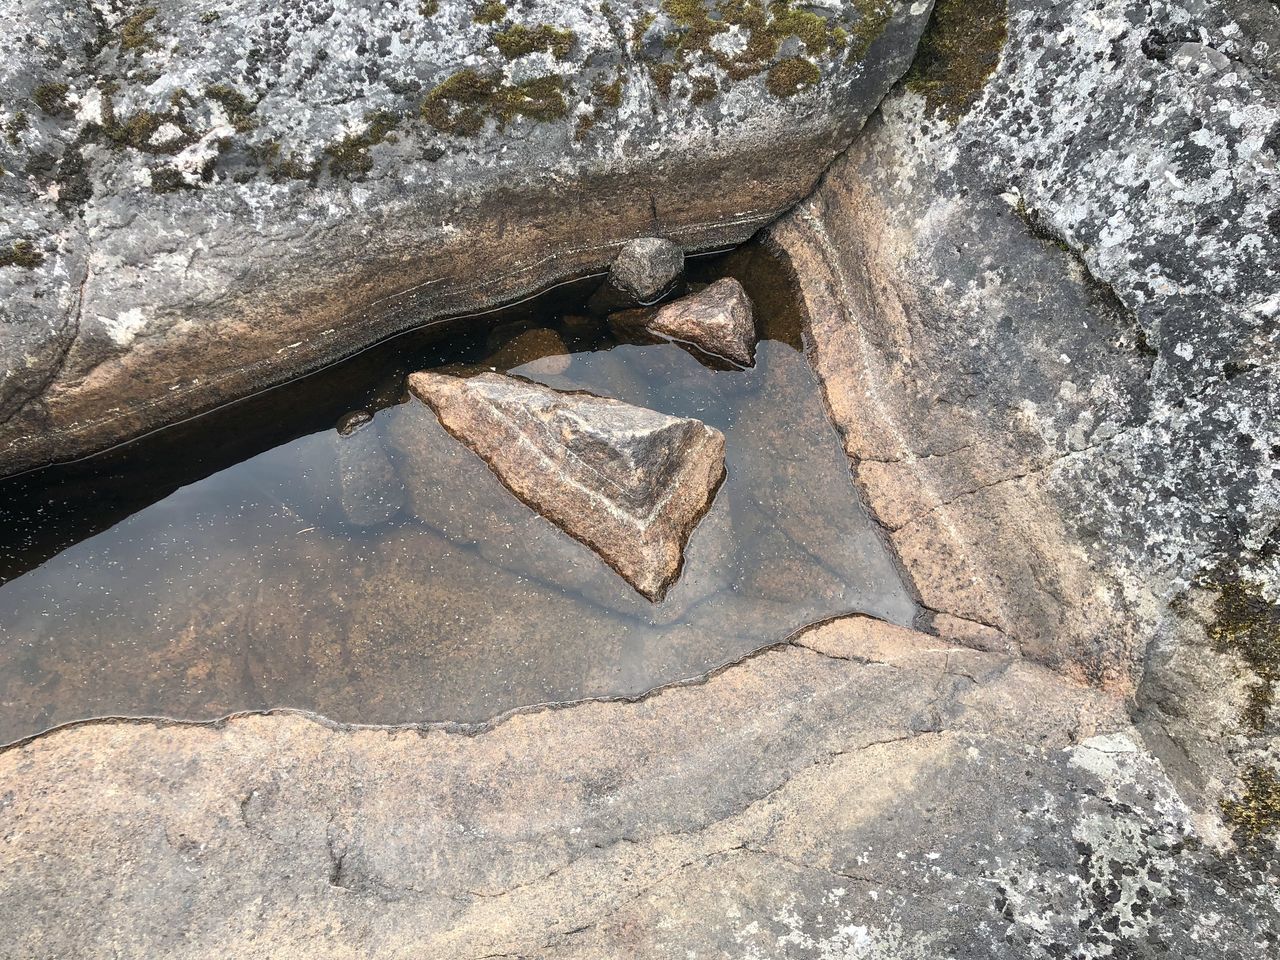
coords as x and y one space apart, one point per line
630 483
200 200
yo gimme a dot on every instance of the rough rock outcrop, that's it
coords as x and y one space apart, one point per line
1043 291
199 202
864 791
718 321
628 482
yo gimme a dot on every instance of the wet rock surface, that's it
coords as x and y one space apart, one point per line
353 170
717 320
891 797
646 268
631 483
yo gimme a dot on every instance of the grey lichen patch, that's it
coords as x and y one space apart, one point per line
465 100
1248 624
21 253
959 51
519 40
51 98
1256 811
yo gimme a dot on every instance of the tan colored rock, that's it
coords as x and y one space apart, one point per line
718 321
863 785
628 482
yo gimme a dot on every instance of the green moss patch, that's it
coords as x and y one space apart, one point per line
1257 810
51 97
167 180
463 101
875 18
136 33
1247 624
519 40
21 253
16 126
491 11
282 166
237 106
349 157
766 24
958 53
788 77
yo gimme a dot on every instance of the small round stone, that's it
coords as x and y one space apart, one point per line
646 268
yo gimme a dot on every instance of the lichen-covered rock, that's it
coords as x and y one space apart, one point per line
628 482
200 201
1043 291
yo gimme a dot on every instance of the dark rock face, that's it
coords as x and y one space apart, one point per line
630 483
202 202
646 268
1046 316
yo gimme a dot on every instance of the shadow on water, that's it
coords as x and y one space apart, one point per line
259 557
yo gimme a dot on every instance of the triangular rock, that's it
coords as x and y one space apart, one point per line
628 482
718 320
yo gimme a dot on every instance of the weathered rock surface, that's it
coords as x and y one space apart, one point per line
646 268
628 482
718 320
200 202
1043 291
891 796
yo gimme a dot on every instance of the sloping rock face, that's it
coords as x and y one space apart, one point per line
1043 293
628 482
892 796
202 201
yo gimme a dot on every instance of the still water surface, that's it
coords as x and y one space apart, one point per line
316 574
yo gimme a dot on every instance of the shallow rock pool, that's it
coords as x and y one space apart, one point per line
286 553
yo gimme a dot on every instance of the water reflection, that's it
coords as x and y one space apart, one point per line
378 577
